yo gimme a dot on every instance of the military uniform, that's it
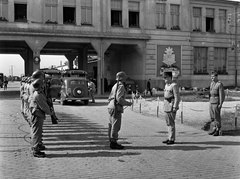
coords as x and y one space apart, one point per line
217 97
116 110
170 107
38 107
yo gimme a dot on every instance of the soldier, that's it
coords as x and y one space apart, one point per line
38 107
171 105
115 109
21 94
217 97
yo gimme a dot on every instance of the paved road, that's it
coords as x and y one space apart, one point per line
77 147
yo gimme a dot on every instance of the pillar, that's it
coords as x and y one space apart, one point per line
70 58
100 47
82 59
36 44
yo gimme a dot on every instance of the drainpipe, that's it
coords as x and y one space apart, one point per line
236 44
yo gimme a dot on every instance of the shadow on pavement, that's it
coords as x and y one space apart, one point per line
220 143
171 147
93 154
78 137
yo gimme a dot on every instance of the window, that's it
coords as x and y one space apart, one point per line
222 20
20 11
210 20
200 60
116 13
220 60
3 10
133 8
174 17
197 19
69 15
160 16
51 11
86 10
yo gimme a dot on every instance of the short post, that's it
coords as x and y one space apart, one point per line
140 107
132 103
158 105
236 117
181 112
157 110
227 93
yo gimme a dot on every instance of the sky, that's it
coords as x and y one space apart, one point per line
11 63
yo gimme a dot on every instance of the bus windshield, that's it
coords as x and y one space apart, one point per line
74 73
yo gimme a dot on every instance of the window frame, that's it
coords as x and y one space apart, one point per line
87 9
160 13
220 62
197 20
199 58
3 10
175 17
134 15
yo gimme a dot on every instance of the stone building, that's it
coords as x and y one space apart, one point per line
136 36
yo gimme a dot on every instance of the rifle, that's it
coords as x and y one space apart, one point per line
49 100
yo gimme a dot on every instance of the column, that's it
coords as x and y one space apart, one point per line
71 58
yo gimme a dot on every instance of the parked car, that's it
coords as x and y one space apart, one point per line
73 89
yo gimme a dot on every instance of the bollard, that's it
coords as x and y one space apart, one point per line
181 112
236 117
132 103
227 93
157 110
140 107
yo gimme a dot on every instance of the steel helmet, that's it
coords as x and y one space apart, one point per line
121 76
37 74
37 84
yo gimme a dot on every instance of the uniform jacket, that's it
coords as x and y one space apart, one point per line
171 97
217 94
38 105
120 97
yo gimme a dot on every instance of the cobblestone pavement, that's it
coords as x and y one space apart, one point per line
77 147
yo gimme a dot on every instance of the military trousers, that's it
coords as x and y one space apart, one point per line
170 121
215 115
37 128
115 121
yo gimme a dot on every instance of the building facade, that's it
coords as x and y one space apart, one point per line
136 36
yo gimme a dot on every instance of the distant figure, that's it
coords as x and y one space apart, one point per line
149 87
91 89
5 83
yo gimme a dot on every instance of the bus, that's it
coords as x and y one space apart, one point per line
53 79
1 79
74 73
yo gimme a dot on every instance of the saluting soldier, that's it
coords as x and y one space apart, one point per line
171 105
217 97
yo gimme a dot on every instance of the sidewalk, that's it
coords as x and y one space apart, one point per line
78 147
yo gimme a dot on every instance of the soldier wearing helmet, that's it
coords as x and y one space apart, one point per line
38 108
115 109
